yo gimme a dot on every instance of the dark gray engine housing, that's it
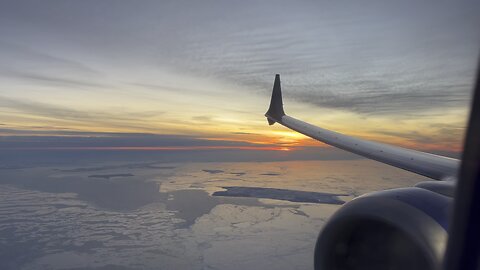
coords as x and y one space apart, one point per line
404 229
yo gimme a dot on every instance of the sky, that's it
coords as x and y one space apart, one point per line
197 75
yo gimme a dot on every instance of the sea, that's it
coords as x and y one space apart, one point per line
155 214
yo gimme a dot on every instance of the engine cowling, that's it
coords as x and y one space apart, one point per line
404 229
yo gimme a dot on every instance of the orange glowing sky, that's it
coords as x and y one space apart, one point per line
374 71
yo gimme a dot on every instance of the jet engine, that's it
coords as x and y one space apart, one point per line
404 229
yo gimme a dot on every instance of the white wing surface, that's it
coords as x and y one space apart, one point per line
430 165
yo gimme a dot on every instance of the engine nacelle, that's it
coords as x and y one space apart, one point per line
404 229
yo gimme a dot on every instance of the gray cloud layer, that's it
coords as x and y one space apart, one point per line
45 140
27 149
374 57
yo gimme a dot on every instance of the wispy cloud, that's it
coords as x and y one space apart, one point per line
192 67
49 80
378 98
21 56
117 119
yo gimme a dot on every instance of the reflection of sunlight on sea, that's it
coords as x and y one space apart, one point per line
352 177
154 215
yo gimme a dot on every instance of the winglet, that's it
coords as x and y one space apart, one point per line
275 112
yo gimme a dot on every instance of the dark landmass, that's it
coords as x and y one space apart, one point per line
270 174
238 173
281 194
108 176
213 171
123 166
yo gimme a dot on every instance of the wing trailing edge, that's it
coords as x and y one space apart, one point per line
426 164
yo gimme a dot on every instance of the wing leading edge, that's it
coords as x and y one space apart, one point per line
426 164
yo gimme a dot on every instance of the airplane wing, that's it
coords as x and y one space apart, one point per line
430 165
